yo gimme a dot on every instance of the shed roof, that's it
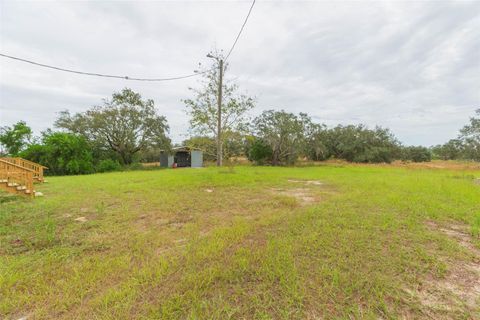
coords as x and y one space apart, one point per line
184 148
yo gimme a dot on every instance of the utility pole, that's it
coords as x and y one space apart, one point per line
219 60
219 117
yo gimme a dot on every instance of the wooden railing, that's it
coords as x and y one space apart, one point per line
37 168
16 175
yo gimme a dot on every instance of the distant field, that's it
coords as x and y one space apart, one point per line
327 241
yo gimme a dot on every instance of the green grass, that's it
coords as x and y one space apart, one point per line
157 245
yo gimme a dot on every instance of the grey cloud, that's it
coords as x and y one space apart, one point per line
413 67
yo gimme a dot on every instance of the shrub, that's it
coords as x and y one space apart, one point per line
35 152
259 151
374 155
135 166
63 153
108 165
417 154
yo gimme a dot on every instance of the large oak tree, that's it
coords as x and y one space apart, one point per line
283 132
125 124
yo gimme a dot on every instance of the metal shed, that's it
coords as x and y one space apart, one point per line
182 157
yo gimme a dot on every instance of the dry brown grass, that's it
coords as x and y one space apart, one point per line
434 164
439 164
150 164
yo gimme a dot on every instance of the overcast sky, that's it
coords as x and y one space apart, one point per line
413 67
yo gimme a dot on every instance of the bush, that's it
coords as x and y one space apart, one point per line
374 155
37 153
135 166
259 151
63 154
108 165
417 154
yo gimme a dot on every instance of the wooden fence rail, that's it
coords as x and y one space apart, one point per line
37 168
16 179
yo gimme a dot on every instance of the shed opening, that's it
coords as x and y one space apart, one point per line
181 157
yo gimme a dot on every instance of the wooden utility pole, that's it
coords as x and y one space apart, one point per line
219 117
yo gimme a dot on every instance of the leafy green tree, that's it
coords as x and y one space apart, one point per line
126 125
205 143
470 137
63 153
451 150
360 144
316 137
36 152
203 110
283 132
16 138
234 144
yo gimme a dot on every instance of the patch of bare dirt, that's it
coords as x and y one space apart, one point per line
303 195
457 232
307 182
17 242
459 290
464 281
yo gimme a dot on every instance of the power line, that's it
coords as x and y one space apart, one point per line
241 29
127 77
100 74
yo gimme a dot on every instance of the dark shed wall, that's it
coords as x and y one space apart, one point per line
163 159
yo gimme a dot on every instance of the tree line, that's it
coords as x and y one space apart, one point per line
127 129
282 138
466 146
124 130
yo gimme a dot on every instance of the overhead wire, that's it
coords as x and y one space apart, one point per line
241 29
127 77
100 74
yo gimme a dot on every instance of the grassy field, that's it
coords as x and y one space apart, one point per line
325 242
